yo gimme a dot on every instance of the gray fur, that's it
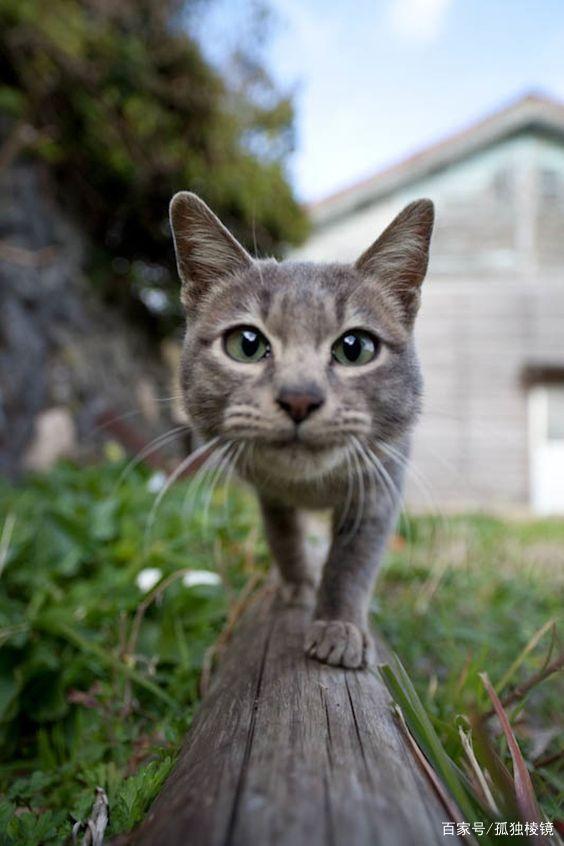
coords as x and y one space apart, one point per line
349 455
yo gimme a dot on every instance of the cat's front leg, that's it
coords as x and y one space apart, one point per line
286 538
339 634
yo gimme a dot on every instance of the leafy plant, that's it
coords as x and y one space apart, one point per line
93 693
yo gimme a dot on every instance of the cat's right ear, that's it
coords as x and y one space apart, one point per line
205 249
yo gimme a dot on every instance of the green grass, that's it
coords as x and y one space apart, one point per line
85 701
476 594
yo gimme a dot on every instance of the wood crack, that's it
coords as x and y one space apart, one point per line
357 730
328 738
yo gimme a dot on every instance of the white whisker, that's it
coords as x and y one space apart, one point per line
377 471
147 450
400 459
229 476
132 413
361 499
394 495
221 468
348 500
198 482
184 465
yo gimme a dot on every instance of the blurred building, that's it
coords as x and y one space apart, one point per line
491 328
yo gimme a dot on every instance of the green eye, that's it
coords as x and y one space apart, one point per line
246 344
355 348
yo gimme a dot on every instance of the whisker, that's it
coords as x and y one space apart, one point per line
245 426
374 475
249 457
195 484
393 493
361 499
241 407
229 477
132 413
395 455
119 417
348 500
401 460
410 539
221 468
354 415
338 434
242 412
455 473
390 488
233 422
184 465
200 478
171 398
151 447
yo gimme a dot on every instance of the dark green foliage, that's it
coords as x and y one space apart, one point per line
120 101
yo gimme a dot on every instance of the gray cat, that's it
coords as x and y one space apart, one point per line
308 373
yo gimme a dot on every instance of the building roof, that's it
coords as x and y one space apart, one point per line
529 112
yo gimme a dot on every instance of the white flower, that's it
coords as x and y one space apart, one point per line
200 577
148 578
156 482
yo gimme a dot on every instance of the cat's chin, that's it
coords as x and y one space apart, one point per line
297 461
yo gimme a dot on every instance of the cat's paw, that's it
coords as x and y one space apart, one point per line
339 643
301 594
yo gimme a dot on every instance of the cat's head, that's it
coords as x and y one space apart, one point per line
299 359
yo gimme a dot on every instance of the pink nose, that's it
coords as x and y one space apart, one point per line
299 404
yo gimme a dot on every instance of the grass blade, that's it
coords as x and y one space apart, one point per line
466 740
446 799
508 675
404 694
524 791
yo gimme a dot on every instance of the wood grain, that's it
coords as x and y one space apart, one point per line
288 752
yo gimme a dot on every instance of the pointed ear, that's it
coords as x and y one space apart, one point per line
205 250
398 259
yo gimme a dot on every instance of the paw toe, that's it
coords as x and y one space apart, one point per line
354 652
339 643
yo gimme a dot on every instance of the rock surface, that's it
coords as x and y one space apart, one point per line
61 347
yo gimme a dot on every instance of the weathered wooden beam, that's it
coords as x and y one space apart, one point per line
285 751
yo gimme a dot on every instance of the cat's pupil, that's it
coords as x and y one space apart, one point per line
249 342
352 347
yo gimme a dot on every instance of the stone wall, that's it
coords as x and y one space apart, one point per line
66 358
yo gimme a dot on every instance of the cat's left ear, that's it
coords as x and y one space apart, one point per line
205 249
398 259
